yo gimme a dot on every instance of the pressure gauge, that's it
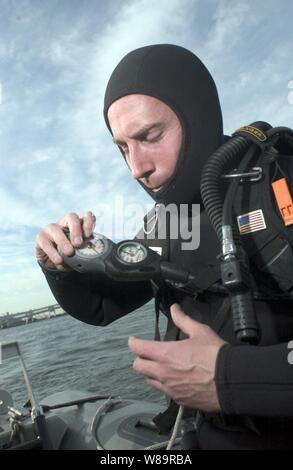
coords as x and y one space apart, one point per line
92 247
90 256
131 252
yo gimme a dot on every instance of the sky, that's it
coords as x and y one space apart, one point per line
56 57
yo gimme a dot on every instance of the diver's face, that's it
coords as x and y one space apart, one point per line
150 136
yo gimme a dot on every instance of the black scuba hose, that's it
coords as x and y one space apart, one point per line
211 176
234 266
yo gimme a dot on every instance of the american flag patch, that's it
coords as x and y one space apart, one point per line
251 222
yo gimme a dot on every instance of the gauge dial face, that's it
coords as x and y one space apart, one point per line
132 252
92 247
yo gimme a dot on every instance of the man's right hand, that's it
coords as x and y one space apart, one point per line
53 237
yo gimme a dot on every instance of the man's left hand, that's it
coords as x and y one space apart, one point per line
183 370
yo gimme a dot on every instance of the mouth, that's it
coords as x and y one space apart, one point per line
155 190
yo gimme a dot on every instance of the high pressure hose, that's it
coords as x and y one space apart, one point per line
234 262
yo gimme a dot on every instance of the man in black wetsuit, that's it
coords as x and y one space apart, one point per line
162 109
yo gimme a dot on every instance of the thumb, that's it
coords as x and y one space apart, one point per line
183 321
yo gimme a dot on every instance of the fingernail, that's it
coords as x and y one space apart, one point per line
87 233
67 249
78 240
176 308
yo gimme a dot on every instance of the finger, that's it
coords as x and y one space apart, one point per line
74 225
54 235
152 350
148 368
47 241
45 250
158 385
184 322
88 223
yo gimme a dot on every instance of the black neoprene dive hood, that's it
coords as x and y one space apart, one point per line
178 78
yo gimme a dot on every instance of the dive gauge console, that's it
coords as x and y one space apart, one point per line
128 260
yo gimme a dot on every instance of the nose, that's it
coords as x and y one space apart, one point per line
139 162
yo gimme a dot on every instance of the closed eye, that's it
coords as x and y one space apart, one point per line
124 148
152 139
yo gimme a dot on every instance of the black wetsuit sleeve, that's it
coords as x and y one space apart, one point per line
255 380
95 299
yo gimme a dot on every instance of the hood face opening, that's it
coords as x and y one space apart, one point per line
178 78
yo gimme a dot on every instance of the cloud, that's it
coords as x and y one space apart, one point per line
28 290
59 156
228 19
248 52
